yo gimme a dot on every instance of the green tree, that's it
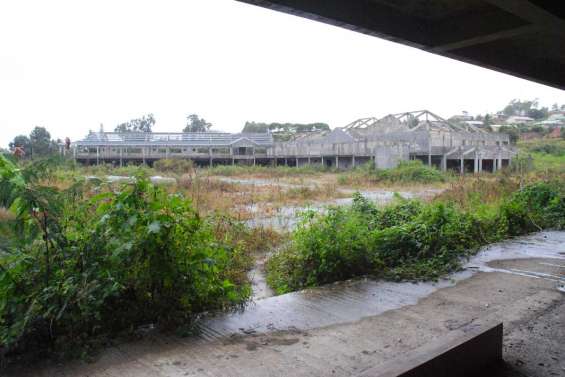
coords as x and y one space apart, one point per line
519 107
260 127
21 141
196 124
143 124
41 144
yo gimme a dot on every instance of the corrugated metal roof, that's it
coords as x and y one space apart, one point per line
158 138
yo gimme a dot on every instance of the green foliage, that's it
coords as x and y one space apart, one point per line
526 108
406 172
177 166
38 144
284 131
554 149
196 124
279 171
84 267
407 240
143 124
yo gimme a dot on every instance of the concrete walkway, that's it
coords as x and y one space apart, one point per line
345 329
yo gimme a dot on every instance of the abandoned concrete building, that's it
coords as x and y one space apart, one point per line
418 135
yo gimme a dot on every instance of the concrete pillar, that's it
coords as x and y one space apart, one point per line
444 162
353 161
337 162
285 161
296 161
462 167
309 161
97 155
121 157
476 163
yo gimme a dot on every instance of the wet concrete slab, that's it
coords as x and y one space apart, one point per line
356 299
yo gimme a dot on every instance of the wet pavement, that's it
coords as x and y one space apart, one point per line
346 328
353 300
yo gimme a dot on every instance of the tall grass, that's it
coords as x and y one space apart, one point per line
267 171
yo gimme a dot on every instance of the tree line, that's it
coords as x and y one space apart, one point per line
37 144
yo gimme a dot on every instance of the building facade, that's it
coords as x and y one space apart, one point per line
419 135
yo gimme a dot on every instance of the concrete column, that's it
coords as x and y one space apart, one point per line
444 163
353 161
337 162
285 161
476 163
296 161
309 161
97 155
121 157
462 167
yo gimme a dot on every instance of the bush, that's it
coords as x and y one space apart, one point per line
177 166
407 240
82 268
406 172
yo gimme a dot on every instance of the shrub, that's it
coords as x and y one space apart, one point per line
177 166
406 172
82 268
407 240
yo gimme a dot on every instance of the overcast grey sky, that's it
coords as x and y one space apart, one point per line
70 65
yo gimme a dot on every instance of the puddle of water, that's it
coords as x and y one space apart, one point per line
125 179
286 218
353 300
258 279
261 182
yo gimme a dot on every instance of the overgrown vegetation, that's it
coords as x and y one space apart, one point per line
407 172
270 171
82 263
409 239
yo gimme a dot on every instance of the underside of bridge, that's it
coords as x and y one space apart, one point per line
524 38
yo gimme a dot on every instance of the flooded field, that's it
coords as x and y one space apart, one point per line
284 216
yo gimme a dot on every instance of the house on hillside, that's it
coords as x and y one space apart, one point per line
518 119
